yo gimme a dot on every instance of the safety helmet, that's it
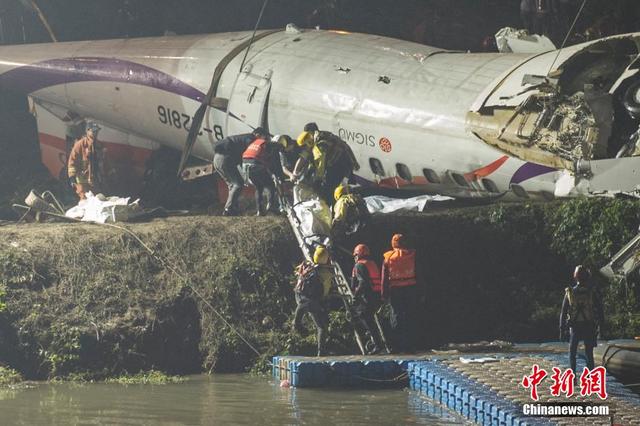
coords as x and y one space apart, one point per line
311 127
397 241
305 139
581 273
93 126
361 250
321 255
259 131
283 140
340 191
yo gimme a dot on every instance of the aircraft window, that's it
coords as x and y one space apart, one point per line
403 171
431 176
519 191
459 179
490 185
376 166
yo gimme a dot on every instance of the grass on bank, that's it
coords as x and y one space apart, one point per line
152 377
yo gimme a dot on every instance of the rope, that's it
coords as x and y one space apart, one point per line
398 378
255 28
185 281
567 36
171 268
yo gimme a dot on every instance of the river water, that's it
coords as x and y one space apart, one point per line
218 399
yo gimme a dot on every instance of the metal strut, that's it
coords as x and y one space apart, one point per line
339 279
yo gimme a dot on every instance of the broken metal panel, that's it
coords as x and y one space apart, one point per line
559 112
625 262
622 174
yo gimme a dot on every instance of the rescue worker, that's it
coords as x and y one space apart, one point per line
400 288
365 278
83 161
582 313
288 155
257 161
330 158
227 158
313 285
350 213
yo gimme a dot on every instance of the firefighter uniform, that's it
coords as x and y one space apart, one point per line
331 160
82 164
365 276
313 285
350 213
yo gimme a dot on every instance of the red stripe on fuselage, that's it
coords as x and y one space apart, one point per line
125 165
486 170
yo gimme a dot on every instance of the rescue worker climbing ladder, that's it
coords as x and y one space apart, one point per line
341 282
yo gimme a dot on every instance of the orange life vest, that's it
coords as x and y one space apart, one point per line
401 266
374 274
257 151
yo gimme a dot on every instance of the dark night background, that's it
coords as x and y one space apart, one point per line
453 24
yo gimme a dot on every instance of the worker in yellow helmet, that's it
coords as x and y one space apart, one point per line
350 213
330 158
313 284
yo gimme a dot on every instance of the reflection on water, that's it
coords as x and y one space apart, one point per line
219 399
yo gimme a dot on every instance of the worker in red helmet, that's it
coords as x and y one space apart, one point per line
400 287
582 313
365 278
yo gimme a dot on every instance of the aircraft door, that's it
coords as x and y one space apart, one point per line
248 104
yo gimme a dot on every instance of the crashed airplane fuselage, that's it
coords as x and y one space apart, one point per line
417 117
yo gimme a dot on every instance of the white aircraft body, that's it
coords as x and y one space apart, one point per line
416 117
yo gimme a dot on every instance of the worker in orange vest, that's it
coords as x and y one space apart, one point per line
257 161
400 287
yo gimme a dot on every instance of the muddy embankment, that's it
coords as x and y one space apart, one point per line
90 301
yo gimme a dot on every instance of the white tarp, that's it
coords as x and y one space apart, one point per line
511 40
382 204
312 212
101 209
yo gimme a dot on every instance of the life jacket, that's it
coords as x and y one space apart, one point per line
401 266
581 306
374 274
257 151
